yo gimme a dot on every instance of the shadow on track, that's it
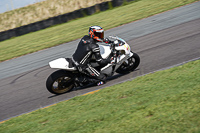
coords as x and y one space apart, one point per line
93 84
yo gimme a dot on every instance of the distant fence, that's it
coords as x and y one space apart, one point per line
60 19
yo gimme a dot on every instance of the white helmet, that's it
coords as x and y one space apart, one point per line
96 32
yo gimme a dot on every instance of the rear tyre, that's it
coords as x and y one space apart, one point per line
60 82
130 65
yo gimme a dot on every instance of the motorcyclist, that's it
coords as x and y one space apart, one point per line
86 49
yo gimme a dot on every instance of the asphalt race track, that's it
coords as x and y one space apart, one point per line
162 41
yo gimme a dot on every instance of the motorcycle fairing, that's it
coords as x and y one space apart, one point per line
61 63
108 68
124 47
105 51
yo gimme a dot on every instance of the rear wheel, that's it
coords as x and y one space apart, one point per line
130 65
60 82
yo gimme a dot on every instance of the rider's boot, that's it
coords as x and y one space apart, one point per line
100 83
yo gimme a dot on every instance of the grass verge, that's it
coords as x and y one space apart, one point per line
77 28
165 101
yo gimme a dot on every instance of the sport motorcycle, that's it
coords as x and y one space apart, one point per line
69 77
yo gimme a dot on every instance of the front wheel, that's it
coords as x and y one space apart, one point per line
130 65
60 82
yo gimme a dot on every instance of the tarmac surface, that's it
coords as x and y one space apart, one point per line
162 41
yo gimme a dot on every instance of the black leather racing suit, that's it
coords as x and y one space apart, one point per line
87 48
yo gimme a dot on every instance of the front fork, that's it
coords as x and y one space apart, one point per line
130 55
124 60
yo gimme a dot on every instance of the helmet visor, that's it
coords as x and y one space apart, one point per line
99 34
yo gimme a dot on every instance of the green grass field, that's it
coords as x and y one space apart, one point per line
41 11
77 28
162 102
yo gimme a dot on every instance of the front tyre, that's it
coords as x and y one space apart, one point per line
130 65
60 82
